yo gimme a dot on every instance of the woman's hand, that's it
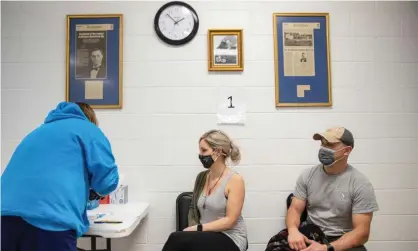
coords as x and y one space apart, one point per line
191 228
94 196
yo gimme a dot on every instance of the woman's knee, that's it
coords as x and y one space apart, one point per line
175 241
176 236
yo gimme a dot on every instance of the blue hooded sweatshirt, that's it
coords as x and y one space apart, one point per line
48 178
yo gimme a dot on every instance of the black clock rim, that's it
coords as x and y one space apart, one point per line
181 41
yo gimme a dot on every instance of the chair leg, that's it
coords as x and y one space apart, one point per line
109 244
93 243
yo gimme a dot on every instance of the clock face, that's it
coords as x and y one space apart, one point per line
176 23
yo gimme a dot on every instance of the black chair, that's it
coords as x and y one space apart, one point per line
182 210
304 215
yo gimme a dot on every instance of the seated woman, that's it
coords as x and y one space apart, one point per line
215 221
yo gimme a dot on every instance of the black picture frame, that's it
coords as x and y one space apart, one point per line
185 40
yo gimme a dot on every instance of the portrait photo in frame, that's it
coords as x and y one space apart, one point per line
225 50
94 63
302 60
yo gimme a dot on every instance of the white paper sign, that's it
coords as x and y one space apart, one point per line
231 111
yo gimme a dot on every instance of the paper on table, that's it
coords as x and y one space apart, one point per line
109 217
96 216
114 219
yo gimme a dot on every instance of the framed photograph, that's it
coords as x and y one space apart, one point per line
302 59
94 60
225 50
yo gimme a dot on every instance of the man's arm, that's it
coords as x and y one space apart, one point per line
299 199
364 204
358 236
294 213
296 239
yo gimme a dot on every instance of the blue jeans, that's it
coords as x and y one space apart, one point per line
18 235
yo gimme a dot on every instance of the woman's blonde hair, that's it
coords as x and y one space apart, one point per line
89 112
218 140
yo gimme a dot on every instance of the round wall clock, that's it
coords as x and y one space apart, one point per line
176 23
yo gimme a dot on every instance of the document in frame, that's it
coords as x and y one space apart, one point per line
298 49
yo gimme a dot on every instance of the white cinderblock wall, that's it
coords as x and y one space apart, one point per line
170 100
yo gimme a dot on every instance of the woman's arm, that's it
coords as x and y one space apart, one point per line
100 162
235 202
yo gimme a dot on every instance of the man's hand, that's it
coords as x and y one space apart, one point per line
296 240
314 246
191 228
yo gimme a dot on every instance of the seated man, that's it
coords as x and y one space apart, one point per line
339 199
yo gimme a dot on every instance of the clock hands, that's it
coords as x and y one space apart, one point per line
171 18
179 21
175 22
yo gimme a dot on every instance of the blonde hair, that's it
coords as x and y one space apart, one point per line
217 139
89 112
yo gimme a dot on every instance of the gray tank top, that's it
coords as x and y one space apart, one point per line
215 208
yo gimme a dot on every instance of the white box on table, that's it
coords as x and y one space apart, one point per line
120 195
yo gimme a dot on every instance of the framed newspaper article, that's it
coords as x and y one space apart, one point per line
302 59
94 60
225 52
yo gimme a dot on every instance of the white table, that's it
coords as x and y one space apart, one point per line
131 214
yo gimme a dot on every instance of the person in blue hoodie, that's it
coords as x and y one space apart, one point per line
46 184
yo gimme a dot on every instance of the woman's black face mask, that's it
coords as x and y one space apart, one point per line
206 160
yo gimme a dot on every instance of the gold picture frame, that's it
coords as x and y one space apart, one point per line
310 85
95 80
228 43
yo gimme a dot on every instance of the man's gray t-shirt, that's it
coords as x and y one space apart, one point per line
333 199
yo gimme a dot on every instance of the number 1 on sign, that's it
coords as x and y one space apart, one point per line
230 102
